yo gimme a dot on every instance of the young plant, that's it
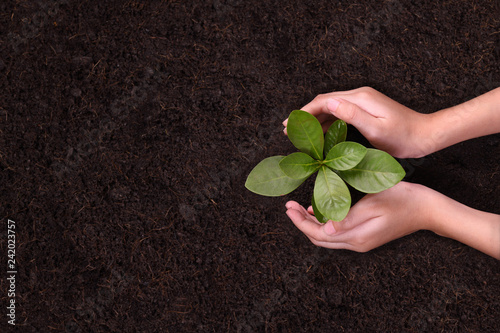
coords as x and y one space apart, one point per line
336 162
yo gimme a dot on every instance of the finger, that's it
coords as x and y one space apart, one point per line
360 236
294 205
368 235
331 227
306 222
333 245
347 234
309 225
360 239
326 120
320 234
363 211
305 213
351 114
317 106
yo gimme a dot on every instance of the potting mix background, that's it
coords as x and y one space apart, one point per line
127 131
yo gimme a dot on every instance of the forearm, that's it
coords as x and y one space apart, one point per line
477 117
477 229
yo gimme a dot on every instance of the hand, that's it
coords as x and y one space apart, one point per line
374 220
404 208
388 125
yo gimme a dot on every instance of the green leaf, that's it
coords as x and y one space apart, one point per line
268 179
299 165
305 132
331 195
345 155
377 171
317 213
337 133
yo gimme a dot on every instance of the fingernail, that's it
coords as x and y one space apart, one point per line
333 104
285 122
329 229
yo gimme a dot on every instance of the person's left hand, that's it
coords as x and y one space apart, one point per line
375 220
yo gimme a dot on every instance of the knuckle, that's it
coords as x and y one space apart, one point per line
349 112
359 242
366 92
319 97
374 134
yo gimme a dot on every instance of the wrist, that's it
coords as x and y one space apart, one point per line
449 218
477 117
426 135
443 127
440 130
428 203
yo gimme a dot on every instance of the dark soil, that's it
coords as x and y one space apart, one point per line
127 130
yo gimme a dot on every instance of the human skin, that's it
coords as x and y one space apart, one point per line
405 208
402 132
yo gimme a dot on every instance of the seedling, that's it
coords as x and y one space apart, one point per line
336 162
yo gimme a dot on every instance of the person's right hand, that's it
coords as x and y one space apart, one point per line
388 125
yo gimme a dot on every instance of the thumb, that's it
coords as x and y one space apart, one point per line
329 228
334 227
350 113
361 212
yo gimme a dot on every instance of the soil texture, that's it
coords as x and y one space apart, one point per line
127 130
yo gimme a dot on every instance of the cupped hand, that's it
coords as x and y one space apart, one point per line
375 220
387 124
